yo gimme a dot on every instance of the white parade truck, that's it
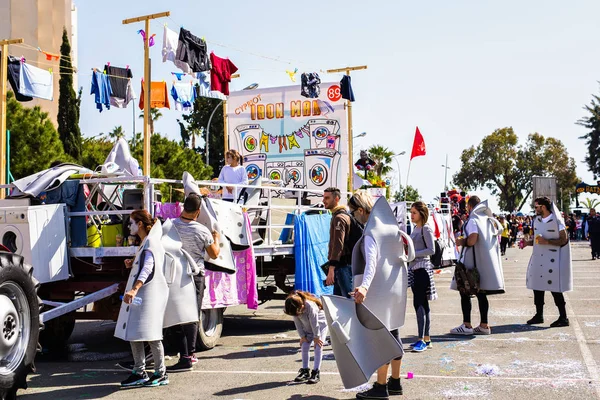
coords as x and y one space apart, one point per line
62 255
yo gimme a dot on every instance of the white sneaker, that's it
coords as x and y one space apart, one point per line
461 330
480 330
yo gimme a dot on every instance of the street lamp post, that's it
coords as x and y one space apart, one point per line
446 168
399 174
252 86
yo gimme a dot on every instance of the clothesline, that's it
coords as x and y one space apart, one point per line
30 47
277 59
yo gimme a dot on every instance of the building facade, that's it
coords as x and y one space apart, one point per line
40 24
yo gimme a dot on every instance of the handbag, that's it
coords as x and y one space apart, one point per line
467 280
436 258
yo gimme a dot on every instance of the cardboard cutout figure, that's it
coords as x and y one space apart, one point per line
550 267
144 322
180 267
360 341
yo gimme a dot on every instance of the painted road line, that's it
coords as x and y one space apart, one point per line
588 358
444 377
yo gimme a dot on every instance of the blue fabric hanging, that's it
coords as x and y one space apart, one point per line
311 245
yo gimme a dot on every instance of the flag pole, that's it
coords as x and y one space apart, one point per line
407 174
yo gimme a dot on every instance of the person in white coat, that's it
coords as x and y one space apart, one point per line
144 303
380 279
550 266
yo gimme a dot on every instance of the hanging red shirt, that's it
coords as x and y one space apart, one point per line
220 74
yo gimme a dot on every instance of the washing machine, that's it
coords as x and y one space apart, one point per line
246 139
321 168
323 133
294 173
276 171
255 165
38 233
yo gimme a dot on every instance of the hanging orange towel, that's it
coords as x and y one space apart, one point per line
159 96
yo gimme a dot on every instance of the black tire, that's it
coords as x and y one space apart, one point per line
57 331
19 287
210 328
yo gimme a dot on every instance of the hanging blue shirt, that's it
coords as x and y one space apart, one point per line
101 90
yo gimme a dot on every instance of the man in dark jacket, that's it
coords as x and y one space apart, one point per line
339 257
593 232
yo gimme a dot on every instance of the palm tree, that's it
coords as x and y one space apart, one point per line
383 157
116 133
590 203
155 114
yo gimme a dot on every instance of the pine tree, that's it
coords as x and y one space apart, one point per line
68 104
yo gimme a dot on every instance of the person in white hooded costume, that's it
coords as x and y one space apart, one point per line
139 323
380 279
550 266
480 248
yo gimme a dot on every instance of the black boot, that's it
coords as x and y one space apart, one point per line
303 375
537 319
377 392
394 386
561 321
315 377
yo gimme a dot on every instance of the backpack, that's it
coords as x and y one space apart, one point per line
356 232
436 258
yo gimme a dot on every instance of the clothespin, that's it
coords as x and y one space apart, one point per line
50 70
22 59
204 38
127 66
104 72
108 63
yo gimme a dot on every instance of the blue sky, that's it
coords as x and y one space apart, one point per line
456 69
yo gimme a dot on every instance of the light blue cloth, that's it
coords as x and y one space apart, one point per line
311 245
184 95
36 82
101 90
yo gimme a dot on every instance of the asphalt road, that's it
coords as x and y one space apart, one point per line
258 356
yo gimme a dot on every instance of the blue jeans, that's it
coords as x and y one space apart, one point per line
342 284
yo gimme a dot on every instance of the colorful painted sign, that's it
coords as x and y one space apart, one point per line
286 137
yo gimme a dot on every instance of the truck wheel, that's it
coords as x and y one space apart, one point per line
19 324
210 328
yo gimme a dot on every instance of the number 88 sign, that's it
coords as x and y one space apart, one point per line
334 93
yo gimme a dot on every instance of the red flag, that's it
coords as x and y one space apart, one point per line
418 145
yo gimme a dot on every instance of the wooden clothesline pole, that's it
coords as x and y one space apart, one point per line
147 83
3 91
350 132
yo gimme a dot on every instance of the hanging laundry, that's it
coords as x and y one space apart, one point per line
264 141
292 141
346 88
150 41
14 72
178 75
101 90
220 74
310 85
50 56
184 95
204 87
282 143
193 51
169 50
159 95
121 85
36 82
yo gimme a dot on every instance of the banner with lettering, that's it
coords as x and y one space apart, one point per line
282 136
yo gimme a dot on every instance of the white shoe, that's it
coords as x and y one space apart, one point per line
480 330
461 330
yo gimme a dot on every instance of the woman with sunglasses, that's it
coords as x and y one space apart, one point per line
144 303
379 280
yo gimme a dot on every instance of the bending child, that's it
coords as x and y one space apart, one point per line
311 325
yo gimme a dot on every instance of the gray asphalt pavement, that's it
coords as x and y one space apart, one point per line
258 356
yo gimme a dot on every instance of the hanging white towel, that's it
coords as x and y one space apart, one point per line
36 82
122 103
169 49
204 87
